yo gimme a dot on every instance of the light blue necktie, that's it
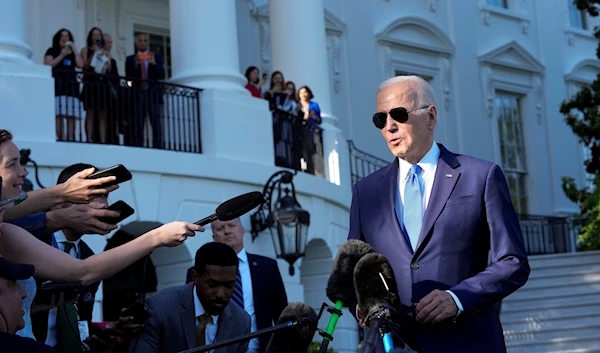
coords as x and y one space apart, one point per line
413 206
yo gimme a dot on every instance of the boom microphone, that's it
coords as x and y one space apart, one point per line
340 286
298 338
234 208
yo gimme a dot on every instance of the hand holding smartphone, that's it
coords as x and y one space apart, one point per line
124 211
139 313
119 171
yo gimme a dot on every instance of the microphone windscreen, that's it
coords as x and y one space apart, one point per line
239 205
298 338
375 284
340 285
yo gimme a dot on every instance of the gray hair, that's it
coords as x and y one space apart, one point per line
422 94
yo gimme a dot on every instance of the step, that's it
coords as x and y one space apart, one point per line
562 280
574 308
567 259
519 338
533 324
574 270
557 290
559 345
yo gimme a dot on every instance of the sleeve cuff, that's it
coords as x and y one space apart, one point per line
457 301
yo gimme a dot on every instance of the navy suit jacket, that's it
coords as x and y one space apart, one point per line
34 224
268 292
469 215
155 73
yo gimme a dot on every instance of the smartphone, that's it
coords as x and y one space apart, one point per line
47 289
99 42
124 211
118 170
138 311
17 200
144 56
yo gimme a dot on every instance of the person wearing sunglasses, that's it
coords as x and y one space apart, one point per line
436 216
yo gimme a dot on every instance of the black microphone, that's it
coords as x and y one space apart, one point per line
234 208
377 296
298 338
340 286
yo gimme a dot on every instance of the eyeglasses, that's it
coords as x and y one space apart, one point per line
399 114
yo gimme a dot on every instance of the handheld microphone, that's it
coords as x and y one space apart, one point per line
340 286
377 295
298 338
234 208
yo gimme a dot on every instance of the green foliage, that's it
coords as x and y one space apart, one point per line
583 116
315 347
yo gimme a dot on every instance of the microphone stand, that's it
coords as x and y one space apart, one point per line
242 338
379 326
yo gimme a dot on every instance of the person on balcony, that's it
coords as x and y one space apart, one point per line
146 68
290 87
63 58
310 112
97 62
254 84
277 95
112 94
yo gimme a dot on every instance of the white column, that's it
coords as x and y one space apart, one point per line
299 51
204 44
12 33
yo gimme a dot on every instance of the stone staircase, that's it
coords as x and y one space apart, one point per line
558 310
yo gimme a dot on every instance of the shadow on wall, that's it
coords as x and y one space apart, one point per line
166 267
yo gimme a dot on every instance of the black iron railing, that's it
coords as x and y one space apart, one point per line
298 145
549 235
119 110
362 163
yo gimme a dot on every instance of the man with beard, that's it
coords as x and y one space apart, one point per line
198 313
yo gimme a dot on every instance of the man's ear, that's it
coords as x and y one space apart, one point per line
195 276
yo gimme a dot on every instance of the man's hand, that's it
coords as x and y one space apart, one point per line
98 345
81 218
435 307
80 190
152 61
125 324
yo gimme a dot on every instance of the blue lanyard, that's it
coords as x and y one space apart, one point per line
77 248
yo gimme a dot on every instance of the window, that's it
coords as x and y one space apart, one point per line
499 3
160 43
577 17
512 149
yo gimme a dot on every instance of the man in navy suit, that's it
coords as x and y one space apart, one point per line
147 98
259 286
436 216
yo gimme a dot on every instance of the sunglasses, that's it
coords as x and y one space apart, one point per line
399 114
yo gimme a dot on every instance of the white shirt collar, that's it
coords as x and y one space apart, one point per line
199 309
243 256
61 238
428 163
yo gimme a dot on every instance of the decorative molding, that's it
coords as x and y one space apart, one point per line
439 42
584 72
487 75
121 37
513 55
265 45
525 27
446 82
334 48
486 17
570 39
386 55
433 5
538 97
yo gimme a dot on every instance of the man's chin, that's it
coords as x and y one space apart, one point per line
215 309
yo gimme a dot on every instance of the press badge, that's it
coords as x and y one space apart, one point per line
84 330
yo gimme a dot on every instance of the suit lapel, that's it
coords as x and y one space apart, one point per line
446 178
224 329
188 314
388 189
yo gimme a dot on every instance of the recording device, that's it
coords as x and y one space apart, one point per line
299 338
139 313
124 211
234 208
377 296
48 289
118 170
340 286
301 325
17 200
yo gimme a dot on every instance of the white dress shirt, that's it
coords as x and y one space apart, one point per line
429 166
248 297
210 332
51 337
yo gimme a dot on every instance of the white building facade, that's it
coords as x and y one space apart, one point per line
500 69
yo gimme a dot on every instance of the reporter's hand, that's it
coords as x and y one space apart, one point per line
175 233
84 218
125 323
80 190
97 344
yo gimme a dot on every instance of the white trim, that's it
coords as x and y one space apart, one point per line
385 37
529 62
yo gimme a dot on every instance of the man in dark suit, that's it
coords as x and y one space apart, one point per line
260 290
198 313
148 68
57 326
436 216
